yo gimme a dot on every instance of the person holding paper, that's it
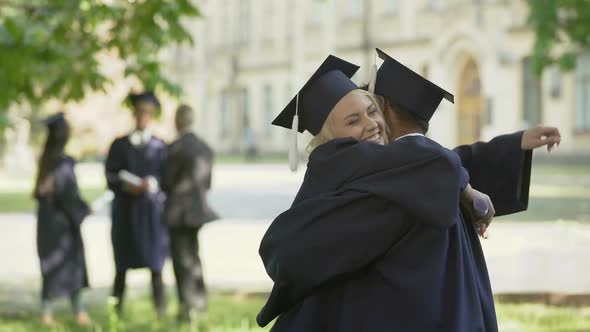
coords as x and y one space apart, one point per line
139 237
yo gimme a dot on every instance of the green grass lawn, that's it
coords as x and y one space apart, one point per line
19 201
230 313
542 318
227 313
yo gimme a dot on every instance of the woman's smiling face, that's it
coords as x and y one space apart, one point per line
356 116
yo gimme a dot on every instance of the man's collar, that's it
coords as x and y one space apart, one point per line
140 137
410 134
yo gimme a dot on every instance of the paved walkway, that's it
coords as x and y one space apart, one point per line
521 256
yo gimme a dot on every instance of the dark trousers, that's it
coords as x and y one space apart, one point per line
192 294
158 291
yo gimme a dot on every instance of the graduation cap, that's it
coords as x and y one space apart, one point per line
54 120
408 89
310 108
148 96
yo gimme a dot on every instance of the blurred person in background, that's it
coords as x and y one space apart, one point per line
251 142
186 178
60 213
139 236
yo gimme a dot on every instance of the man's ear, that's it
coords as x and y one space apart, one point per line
391 119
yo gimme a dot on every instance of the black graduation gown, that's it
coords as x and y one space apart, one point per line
186 178
374 241
501 160
500 169
59 241
139 236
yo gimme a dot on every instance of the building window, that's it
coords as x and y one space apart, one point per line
268 110
225 114
289 21
314 12
390 7
583 93
268 17
532 98
226 17
431 4
245 22
245 108
354 8
555 82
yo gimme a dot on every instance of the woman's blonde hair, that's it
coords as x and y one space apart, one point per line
326 134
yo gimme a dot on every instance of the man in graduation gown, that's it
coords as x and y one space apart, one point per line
139 236
500 168
186 179
427 279
367 241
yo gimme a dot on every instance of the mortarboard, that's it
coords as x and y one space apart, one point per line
405 88
54 120
310 108
330 82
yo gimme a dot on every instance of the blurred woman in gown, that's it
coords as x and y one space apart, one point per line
60 213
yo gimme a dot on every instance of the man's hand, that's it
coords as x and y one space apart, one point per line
138 190
47 186
468 196
538 136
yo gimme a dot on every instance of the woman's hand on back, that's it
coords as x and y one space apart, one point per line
482 218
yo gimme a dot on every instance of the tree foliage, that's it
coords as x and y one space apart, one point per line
50 49
562 29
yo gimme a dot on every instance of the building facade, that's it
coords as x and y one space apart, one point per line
251 56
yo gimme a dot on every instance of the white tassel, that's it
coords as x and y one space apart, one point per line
372 78
373 75
293 150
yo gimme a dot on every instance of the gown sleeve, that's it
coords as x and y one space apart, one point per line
68 195
500 169
114 163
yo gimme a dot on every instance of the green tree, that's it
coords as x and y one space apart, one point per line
562 29
49 49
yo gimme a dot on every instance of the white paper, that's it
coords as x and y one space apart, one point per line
130 178
153 185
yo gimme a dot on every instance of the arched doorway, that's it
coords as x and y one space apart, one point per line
471 104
